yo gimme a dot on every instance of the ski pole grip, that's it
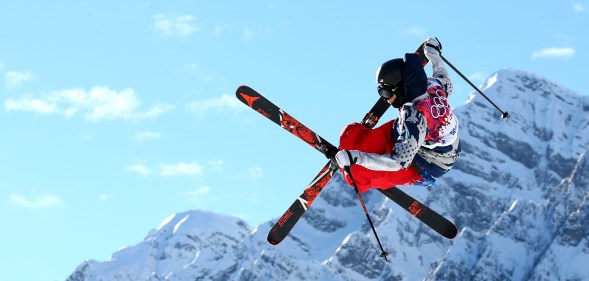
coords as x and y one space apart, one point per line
439 49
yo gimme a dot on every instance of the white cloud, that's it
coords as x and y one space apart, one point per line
223 102
255 172
169 26
203 190
36 203
273 4
199 194
31 105
578 7
15 78
105 197
216 166
139 169
199 71
98 104
85 137
478 76
220 29
248 34
581 7
417 31
147 135
182 169
252 173
152 112
554 53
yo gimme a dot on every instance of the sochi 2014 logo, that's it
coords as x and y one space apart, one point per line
439 107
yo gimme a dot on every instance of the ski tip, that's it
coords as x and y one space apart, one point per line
272 242
247 95
240 89
243 88
452 233
274 237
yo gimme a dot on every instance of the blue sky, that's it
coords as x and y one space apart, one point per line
116 114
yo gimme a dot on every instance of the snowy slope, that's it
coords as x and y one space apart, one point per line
185 246
527 183
519 193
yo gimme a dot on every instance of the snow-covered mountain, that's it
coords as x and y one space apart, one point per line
519 193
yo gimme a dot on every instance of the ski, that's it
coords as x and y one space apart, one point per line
268 109
422 212
296 210
281 229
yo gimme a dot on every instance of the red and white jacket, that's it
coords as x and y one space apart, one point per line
426 132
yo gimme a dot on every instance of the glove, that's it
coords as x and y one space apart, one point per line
347 158
432 47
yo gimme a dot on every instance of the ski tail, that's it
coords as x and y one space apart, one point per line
285 224
422 212
421 53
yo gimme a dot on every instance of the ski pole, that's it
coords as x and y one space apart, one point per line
503 114
383 253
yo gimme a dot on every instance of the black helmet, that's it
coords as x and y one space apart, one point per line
390 72
389 78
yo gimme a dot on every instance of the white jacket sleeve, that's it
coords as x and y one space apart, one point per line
377 162
440 73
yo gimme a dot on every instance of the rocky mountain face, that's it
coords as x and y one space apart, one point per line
519 194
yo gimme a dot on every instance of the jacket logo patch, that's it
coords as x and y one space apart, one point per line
439 107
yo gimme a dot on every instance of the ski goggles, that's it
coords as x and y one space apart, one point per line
387 91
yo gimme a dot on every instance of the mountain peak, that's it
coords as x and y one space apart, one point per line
170 252
509 83
200 222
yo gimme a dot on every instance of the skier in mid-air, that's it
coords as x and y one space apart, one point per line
418 147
